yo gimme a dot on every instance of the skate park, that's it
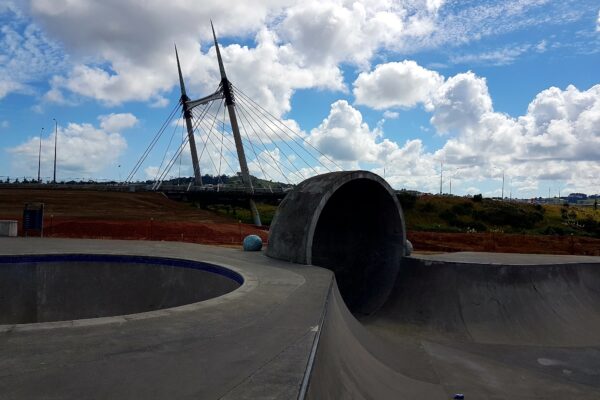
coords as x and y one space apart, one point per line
333 308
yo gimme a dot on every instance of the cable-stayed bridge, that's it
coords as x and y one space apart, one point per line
233 135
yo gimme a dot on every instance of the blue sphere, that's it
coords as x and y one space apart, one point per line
252 243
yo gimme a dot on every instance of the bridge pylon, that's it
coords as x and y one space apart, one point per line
223 92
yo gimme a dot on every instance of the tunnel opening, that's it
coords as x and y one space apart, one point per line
359 236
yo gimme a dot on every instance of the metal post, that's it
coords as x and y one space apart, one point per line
55 142
441 176
40 156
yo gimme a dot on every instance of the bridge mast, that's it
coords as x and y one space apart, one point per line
187 113
229 102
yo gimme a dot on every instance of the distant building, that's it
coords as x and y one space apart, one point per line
575 198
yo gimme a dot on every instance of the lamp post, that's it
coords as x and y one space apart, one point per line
452 175
441 176
55 141
40 156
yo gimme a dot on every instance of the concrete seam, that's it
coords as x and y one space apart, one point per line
315 345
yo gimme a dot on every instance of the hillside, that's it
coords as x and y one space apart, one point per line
457 214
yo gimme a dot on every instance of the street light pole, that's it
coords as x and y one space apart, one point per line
40 156
55 141
441 176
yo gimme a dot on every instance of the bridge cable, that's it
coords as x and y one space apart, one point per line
153 142
252 110
168 147
252 117
277 166
237 90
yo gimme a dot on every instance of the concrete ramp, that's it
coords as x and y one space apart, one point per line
487 326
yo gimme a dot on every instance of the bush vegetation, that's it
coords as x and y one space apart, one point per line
478 214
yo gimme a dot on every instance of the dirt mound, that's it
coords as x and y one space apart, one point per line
124 215
504 243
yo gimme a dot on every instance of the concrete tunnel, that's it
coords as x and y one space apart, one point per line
349 222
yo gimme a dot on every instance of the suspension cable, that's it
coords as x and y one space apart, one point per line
238 90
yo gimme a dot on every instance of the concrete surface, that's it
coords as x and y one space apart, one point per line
349 222
491 326
530 330
57 288
8 228
251 343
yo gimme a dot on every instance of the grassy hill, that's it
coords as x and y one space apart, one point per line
458 214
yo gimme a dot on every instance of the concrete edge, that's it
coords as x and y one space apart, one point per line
250 283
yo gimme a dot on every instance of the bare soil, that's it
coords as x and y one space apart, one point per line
504 243
152 216
123 215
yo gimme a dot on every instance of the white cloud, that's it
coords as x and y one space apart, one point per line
27 56
557 139
82 151
332 32
298 45
474 21
268 73
391 114
498 57
459 103
123 53
344 136
117 122
598 22
396 84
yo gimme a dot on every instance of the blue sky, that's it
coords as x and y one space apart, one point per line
485 88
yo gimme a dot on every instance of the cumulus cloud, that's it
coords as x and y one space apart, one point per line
297 45
460 103
396 84
344 136
331 31
117 122
123 53
83 150
268 73
555 140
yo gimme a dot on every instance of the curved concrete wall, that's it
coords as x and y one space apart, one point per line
59 288
349 222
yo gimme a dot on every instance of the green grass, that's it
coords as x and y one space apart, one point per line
266 211
458 214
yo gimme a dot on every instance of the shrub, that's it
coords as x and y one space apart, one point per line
501 214
462 208
427 207
407 200
448 216
478 198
